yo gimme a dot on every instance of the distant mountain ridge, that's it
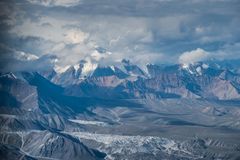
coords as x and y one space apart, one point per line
207 80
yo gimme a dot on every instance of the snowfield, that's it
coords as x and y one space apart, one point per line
84 122
127 145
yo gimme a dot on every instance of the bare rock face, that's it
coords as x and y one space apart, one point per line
223 90
132 69
106 81
13 153
68 77
17 93
49 145
106 76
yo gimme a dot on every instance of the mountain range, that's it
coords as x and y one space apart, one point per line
124 111
129 81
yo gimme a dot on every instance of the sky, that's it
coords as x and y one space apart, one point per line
40 34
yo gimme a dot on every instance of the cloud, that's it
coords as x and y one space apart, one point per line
75 36
12 60
80 40
54 31
10 64
193 56
143 31
228 51
50 3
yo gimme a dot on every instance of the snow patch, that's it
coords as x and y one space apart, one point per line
205 66
60 69
113 68
84 122
187 68
76 67
199 70
122 144
88 68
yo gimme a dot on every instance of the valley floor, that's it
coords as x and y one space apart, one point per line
164 129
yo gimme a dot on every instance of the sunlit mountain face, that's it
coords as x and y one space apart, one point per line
119 80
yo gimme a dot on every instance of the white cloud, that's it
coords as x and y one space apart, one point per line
72 44
71 32
55 31
199 30
20 61
75 36
26 56
98 56
49 3
11 53
193 56
58 47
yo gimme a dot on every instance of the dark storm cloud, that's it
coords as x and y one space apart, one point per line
118 8
146 8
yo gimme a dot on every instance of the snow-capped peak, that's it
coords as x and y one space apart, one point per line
76 67
205 66
113 68
195 68
88 68
199 70
185 66
9 75
60 69
84 67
